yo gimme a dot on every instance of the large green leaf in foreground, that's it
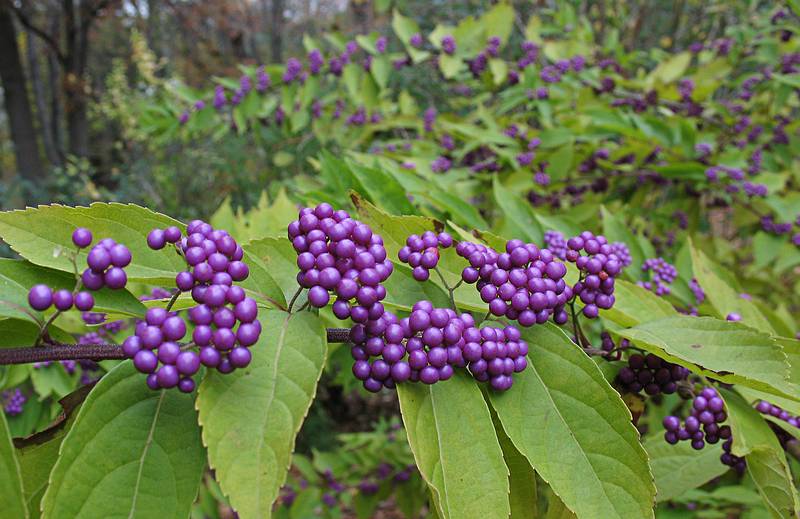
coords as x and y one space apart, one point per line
38 234
250 418
575 430
12 502
456 448
735 353
766 461
132 452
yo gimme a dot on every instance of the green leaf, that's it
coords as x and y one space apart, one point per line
402 291
722 296
382 188
499 21
393 229
351 74
450 65
18 332
455 447
250 418
273 269
12 501
460 210
381 69
17 277
635 305
132 452
521 477
499 69
519 217
39 234
38 453
766 463
572 426
670 70
404 26
680 468
727 351
560 162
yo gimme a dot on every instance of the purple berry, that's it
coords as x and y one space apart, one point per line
40 297
145 361
82 237
115 278
98 259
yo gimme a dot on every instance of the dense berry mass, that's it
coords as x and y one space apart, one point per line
429 344
524 283
651 374
340 256
421 253
599 265
225 319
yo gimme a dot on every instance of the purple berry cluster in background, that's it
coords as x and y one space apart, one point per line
662 274
770 409
13 402
105 261
651 374
225 319
421 253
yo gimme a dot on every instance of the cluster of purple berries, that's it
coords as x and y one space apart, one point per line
494 355
422 252
13 401
105 261
652 374
524 283
423 347
225 319
599 268
703 425
337 254
765 407
708 412
662 275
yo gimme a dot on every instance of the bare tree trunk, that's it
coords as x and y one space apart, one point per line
78 21
276 31
39 96
54 82
20 116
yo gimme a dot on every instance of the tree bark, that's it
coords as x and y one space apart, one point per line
20 116
39 96
54 82
276 31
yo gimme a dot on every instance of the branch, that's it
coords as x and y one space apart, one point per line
54 351
47 38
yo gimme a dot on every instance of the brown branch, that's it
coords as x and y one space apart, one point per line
54 351
41 33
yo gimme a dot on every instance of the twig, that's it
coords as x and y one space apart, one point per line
172 300
294 298
449 290
55 351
